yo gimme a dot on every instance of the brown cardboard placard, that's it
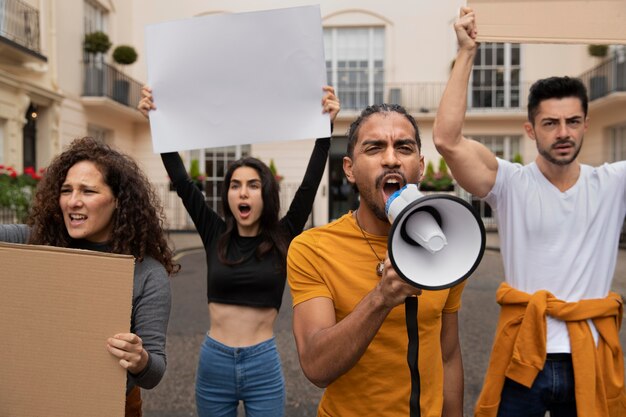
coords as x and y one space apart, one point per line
551 21
57 308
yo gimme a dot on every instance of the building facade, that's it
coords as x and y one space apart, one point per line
52 91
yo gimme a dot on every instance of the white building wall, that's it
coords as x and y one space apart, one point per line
419 47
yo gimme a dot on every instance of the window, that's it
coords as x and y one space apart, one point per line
496 76
618 143
505 147
216 162
94 17
99 133
355 64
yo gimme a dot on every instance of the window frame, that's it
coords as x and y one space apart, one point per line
366 83
617 149
487 64
216 162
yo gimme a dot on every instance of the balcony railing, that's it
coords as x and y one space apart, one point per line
606 78
178 219
19 23
103 80
425 97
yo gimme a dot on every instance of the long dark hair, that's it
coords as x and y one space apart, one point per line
138 218
271 234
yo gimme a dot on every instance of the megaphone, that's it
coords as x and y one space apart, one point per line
436 241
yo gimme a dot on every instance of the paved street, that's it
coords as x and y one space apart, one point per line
174 397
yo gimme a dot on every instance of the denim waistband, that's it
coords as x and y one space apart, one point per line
259 348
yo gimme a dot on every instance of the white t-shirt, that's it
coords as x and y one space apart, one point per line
563 242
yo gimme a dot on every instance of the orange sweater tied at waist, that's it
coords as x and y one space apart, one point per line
519 349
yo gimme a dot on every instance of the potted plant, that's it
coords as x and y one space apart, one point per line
440 181
123 55
195 175
274 171
599 51
95 45
16 191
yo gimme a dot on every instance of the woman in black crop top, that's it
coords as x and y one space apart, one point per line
246 255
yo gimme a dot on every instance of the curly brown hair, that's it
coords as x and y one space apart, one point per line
137 221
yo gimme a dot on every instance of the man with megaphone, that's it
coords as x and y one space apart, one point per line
348 319
556 347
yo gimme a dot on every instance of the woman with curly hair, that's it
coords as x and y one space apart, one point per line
93 197
246 254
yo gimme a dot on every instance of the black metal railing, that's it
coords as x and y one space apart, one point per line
608 77
425 97
8 215
104 80
19 23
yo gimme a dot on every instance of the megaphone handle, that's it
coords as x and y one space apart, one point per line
410 311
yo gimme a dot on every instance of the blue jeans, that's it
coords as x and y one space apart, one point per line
553 390
227 375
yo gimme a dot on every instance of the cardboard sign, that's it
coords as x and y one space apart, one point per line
551 21
57 309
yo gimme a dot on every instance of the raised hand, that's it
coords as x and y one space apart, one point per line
146 104
330 102
466 29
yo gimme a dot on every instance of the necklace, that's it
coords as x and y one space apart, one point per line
381 263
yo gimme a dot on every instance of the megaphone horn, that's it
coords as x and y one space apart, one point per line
436 241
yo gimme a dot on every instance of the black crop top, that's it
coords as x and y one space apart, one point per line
254 282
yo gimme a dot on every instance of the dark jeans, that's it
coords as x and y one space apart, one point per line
553 390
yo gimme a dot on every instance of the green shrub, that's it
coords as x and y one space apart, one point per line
17 190
124 55
96 42
437 181
599 51
274 171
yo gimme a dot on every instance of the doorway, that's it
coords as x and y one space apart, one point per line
30 137
342 196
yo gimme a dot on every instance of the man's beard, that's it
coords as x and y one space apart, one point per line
561 162
379 212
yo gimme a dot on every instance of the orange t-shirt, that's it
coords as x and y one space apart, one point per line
334 261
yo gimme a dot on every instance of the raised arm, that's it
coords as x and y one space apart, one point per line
472 164
206 220
302 203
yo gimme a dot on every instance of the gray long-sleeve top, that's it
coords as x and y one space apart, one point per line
150 308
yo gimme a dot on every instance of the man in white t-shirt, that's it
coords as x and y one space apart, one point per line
559 221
